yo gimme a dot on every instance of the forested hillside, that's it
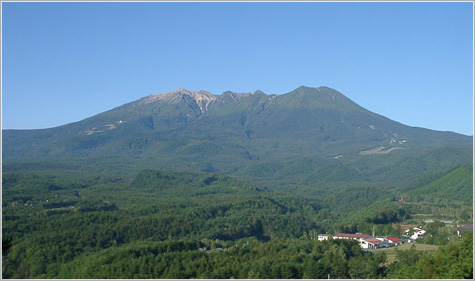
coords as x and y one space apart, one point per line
162 224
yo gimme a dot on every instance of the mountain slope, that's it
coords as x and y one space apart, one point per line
455 185
188 130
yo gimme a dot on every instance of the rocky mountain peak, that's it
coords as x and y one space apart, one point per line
175 96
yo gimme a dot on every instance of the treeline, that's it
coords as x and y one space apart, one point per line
245 258
153 225
55 226
454 261
254 259
42 240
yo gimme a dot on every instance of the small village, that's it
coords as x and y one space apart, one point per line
368 242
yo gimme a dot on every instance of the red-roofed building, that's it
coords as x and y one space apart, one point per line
393 241
322 237
356 236
360 237
373 243
366 241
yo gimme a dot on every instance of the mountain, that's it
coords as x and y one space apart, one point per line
456 185
249 134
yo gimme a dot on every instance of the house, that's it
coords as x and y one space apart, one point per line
418 233
464 228
393 241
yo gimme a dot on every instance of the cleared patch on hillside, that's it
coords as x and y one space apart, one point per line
380 150
391 252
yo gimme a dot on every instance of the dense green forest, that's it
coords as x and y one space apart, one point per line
194 185
163 224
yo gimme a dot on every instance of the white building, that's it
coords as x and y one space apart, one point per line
366 241
374 243
322 237
418 233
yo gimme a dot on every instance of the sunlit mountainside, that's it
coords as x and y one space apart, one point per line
188 184
231 132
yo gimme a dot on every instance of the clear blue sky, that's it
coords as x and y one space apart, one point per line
411 62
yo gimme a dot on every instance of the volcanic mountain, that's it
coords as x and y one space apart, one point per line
249 134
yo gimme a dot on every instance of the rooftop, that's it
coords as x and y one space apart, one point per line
373 241
465 227
356 235
394 239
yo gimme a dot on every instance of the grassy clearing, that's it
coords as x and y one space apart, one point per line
391 252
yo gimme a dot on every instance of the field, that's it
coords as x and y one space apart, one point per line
391 252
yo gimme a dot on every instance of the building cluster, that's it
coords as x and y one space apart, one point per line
416 234
366 241
369 242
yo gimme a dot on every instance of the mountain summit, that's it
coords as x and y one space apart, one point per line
197 130
201 98
322 97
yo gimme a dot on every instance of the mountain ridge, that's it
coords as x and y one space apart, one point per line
200 131
301 94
